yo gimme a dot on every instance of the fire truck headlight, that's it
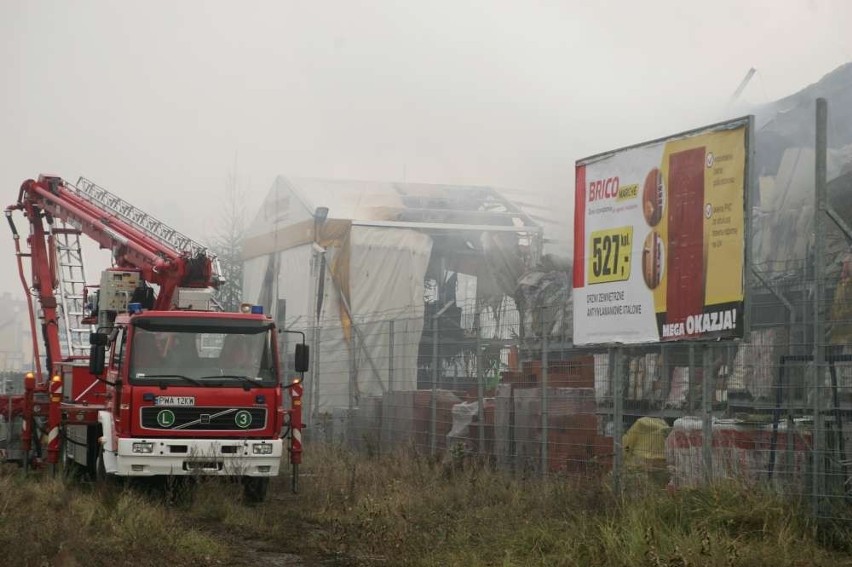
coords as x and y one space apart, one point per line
262 449
143 447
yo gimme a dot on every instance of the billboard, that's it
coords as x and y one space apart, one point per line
659 239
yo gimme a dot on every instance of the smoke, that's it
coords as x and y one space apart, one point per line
153 100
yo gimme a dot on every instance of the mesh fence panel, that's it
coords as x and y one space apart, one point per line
479 384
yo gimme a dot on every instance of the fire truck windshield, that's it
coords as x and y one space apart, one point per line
210 353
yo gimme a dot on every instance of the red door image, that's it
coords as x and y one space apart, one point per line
685 292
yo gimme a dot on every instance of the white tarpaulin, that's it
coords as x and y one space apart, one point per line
387 269
387 273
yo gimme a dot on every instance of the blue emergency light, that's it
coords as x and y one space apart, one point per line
257 309
134 308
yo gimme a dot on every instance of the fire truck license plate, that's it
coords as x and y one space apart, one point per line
174 401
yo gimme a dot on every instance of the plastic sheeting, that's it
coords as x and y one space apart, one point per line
786 213
740 451
546 293
645 444
254 271
679 387
463 416
292 283
387 268
387 274
756 362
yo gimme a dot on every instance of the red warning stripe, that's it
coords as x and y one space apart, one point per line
580 227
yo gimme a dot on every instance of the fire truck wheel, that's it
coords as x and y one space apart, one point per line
255 489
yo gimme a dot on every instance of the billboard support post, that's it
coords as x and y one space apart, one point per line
707 387
616 370
693 379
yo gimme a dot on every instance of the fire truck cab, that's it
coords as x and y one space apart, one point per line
172 384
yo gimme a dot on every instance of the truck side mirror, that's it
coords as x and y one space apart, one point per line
302 357
97 355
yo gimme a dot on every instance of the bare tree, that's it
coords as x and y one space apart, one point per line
227 242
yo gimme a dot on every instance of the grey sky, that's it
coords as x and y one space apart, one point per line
153 100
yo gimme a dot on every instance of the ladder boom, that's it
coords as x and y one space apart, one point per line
109 202
165 256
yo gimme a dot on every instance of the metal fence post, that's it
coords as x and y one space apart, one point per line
820 189
543 391
433 425
690 390
350 435
390 355
353 347
283 352
480 381
316 373
666 372
9 421
708 388
616 371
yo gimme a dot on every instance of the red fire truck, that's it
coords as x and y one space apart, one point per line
144 375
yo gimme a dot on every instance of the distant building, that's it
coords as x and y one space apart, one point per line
16 349
370 270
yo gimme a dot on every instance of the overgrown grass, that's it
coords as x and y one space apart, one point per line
46 521
405 510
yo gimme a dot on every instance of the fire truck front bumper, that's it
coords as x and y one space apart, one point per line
206 457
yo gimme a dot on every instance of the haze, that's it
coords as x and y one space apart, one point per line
158 100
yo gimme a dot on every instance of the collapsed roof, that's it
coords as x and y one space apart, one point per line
789 122
363 261
785 159
473 228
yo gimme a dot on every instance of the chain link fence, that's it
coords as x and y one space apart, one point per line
474 382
